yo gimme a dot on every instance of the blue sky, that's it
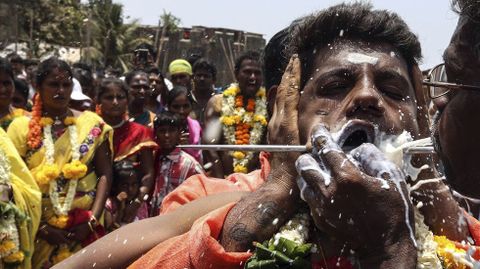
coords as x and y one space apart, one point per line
432 20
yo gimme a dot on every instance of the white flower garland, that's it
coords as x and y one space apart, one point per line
61 209
9 227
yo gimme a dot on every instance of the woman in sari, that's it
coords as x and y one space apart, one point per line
131 140
7 91
69 155
19 200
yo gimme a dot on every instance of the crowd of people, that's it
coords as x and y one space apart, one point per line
91 174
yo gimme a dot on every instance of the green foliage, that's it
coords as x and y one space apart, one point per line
97 27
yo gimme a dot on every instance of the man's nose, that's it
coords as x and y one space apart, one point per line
365 98
115 101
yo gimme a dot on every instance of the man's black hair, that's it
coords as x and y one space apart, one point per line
15 58
30 62
167 118
352 22
248 55
129 76
205 65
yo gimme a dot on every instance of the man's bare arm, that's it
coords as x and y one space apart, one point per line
123 246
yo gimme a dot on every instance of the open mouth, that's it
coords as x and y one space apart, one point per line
355 133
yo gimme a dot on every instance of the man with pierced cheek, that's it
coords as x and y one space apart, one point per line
353 75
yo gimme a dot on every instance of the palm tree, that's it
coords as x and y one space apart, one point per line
112 41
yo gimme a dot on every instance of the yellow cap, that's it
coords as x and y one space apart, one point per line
179 66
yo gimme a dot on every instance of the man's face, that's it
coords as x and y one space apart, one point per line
355 81
458 129
182 79
249 77
139 89
203 80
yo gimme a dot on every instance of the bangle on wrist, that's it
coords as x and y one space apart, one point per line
90 226
93 222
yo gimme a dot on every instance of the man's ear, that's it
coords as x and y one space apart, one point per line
271 95
441 102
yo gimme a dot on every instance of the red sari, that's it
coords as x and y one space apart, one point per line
130 138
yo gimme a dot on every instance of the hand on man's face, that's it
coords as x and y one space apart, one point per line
361 199
283 126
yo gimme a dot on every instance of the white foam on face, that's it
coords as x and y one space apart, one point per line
359 58
393 146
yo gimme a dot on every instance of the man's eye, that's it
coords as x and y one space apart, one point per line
392 92
333 88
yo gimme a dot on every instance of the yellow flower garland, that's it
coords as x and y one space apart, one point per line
449 254
16 257
47 173
7 246
233 116
58 221
74 170
50 172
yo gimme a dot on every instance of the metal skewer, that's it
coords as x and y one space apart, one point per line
268 148
285 148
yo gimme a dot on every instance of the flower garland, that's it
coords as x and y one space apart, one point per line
243 125
451 256
286 249
10 252
50 172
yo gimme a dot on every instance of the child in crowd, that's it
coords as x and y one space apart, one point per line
125 188
172 165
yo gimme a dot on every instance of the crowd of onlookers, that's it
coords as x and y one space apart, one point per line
147 115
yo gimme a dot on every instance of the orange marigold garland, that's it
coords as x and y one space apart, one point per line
243 125
98 109
34 136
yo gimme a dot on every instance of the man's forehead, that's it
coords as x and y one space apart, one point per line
249 63
379 55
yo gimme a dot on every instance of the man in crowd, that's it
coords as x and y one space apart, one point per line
180 73
236 117
18 66
204 76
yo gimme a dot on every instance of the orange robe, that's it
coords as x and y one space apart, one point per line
199 247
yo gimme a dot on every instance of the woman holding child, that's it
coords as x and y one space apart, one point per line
69 155
131 141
